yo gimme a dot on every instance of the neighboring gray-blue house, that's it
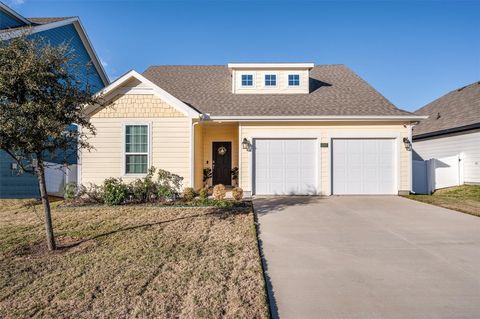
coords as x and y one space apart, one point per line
56 31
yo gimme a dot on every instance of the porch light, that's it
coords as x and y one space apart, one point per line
408 144
246 145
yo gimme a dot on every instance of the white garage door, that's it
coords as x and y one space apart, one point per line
285 166
363 166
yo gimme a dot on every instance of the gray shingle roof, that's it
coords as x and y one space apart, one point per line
334 90
47 20
35 22
459 108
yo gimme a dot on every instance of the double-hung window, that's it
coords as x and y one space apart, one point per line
247 79
136 149
293 80
270 80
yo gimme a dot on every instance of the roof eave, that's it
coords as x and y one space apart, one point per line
447 131
407 118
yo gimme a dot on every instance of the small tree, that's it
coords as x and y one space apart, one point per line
40 95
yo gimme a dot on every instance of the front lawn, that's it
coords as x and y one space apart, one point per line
464 198
130 261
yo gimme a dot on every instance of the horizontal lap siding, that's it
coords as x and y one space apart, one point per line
170 140
467 143
325 131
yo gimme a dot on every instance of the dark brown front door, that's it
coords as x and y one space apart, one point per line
222 163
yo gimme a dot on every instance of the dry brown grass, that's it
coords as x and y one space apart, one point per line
130 262
464 198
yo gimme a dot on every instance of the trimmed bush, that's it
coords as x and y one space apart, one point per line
219 192
165 192
144 189
237 193
70 191
115 191
203 194
93 194
189 194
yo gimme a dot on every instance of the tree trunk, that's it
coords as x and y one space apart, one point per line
46 205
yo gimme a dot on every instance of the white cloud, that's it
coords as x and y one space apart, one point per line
17 2
103 62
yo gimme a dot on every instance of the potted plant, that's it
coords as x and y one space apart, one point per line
234 173
207 174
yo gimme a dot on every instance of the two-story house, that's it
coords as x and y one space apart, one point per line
14 183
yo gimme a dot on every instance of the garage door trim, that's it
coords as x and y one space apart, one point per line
366 135
317 140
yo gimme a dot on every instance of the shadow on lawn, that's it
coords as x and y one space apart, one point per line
216 213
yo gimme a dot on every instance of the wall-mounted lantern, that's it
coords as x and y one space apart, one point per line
246 145
408 144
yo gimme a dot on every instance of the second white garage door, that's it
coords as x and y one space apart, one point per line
285 166
363 166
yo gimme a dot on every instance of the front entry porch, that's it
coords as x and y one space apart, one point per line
216 154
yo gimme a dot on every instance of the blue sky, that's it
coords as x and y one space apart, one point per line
412 52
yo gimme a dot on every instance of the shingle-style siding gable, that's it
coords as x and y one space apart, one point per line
68 34
137 106
7 21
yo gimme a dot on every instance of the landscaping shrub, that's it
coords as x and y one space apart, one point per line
93 194
70 191
165 192
170 180
188 194
144 189
115 191
237 193
219 191
203 194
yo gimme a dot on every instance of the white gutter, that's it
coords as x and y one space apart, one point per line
319 118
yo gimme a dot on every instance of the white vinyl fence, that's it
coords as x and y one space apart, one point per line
437 173
57 176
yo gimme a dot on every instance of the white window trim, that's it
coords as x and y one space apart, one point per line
254 80
124 173
247 86
299 80
276 80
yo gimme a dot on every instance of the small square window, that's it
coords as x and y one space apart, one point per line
270 79
247 80
293 80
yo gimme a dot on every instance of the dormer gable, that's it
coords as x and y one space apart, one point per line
270 78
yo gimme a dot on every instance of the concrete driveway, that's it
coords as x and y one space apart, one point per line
369 257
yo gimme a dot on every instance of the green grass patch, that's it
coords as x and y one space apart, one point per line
465 198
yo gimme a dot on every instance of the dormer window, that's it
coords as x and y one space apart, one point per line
293 80
270 80
247 79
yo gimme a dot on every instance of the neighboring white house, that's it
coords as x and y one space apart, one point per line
452 128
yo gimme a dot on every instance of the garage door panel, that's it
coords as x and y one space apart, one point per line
286 166
363 166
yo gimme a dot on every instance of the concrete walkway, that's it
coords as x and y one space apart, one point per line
369 257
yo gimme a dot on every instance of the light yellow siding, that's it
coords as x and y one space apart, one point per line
170 138
324 132
282 86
